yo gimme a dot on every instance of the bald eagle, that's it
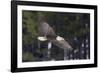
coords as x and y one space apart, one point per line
46 33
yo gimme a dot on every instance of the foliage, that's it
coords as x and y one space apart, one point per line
74 27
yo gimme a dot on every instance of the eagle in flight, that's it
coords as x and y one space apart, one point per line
46 33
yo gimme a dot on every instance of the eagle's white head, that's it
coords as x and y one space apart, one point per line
42 38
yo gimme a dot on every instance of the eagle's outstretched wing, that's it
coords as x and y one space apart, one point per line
45 29
62 44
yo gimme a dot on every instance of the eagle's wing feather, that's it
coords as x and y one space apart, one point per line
62 44
46 29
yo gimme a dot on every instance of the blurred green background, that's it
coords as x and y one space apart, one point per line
74 27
